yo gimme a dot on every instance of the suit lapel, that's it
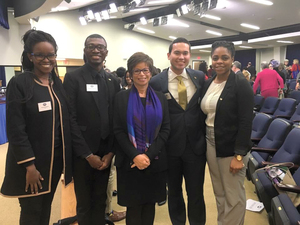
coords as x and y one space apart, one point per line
228 88
87 77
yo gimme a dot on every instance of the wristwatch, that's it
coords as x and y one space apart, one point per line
239 157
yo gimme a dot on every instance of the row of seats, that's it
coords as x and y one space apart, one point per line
277 140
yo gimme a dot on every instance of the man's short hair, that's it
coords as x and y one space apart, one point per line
179 40
237 64
264 65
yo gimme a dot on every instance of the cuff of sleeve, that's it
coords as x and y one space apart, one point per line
28 163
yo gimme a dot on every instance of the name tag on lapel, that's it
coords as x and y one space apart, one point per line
92 87
168 96
44 106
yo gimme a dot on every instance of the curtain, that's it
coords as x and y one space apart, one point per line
3 14
246 56
292 52
2 76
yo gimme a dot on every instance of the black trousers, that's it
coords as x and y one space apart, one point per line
141 214
36 210
90 189
192 168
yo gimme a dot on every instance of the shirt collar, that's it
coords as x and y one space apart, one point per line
94 72
173 75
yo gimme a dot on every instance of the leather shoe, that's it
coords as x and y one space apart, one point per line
115 216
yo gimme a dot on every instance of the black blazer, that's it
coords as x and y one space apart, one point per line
185 124
125 151
30 133
234 114
86 109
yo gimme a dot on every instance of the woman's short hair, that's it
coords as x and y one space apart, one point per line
30 39
224 44
139 57
246 74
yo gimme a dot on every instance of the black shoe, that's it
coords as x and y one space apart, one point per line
114 193
161 203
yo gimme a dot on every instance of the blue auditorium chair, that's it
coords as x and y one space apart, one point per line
286 108
288 152
295 119
260 125
268 145
295 95
270 105
258 102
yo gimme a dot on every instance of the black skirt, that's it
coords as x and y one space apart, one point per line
137 187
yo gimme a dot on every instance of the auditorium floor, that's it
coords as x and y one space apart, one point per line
10 210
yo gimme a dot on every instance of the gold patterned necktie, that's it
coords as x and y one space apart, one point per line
182 94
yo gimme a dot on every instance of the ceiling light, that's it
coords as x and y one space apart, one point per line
160 2
172 37
279 36
237 42
178 23
146 30
113 8
137 2
184 9
213 4
170 17
82 21
245 46
156 22
143 20
105 14
201 46
98 16
90 14
59 9
264 2
204 51
178 12
211 17
164 20
213 32
287 42
250 26
222 4
141 9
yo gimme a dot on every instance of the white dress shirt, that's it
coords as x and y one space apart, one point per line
173 85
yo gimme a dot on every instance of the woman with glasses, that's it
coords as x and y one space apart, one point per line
141 127
38 130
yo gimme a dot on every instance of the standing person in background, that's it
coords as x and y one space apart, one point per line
38 130
203 68
236 68
269 81
251 69
141 127
128 81
210 72
186 145
228 104
295 69
91 91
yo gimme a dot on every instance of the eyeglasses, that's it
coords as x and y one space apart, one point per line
41 57
145 71
100 48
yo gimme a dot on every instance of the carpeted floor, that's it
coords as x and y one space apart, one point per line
10 210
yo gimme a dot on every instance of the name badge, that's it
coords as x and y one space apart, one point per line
168 96
92 87
44 106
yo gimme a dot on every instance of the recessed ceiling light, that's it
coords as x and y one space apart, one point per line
241 46
140 9
287 42
160 2
204 51
59 9
213 32
211 17
113 8
184 9
172 37
105 14
146 30
201 46
264 2
250 26
237 42
82 21
143 20
98 17
174 22
90 14
274 37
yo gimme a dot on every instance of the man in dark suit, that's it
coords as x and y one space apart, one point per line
91 91
186 145
236 68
